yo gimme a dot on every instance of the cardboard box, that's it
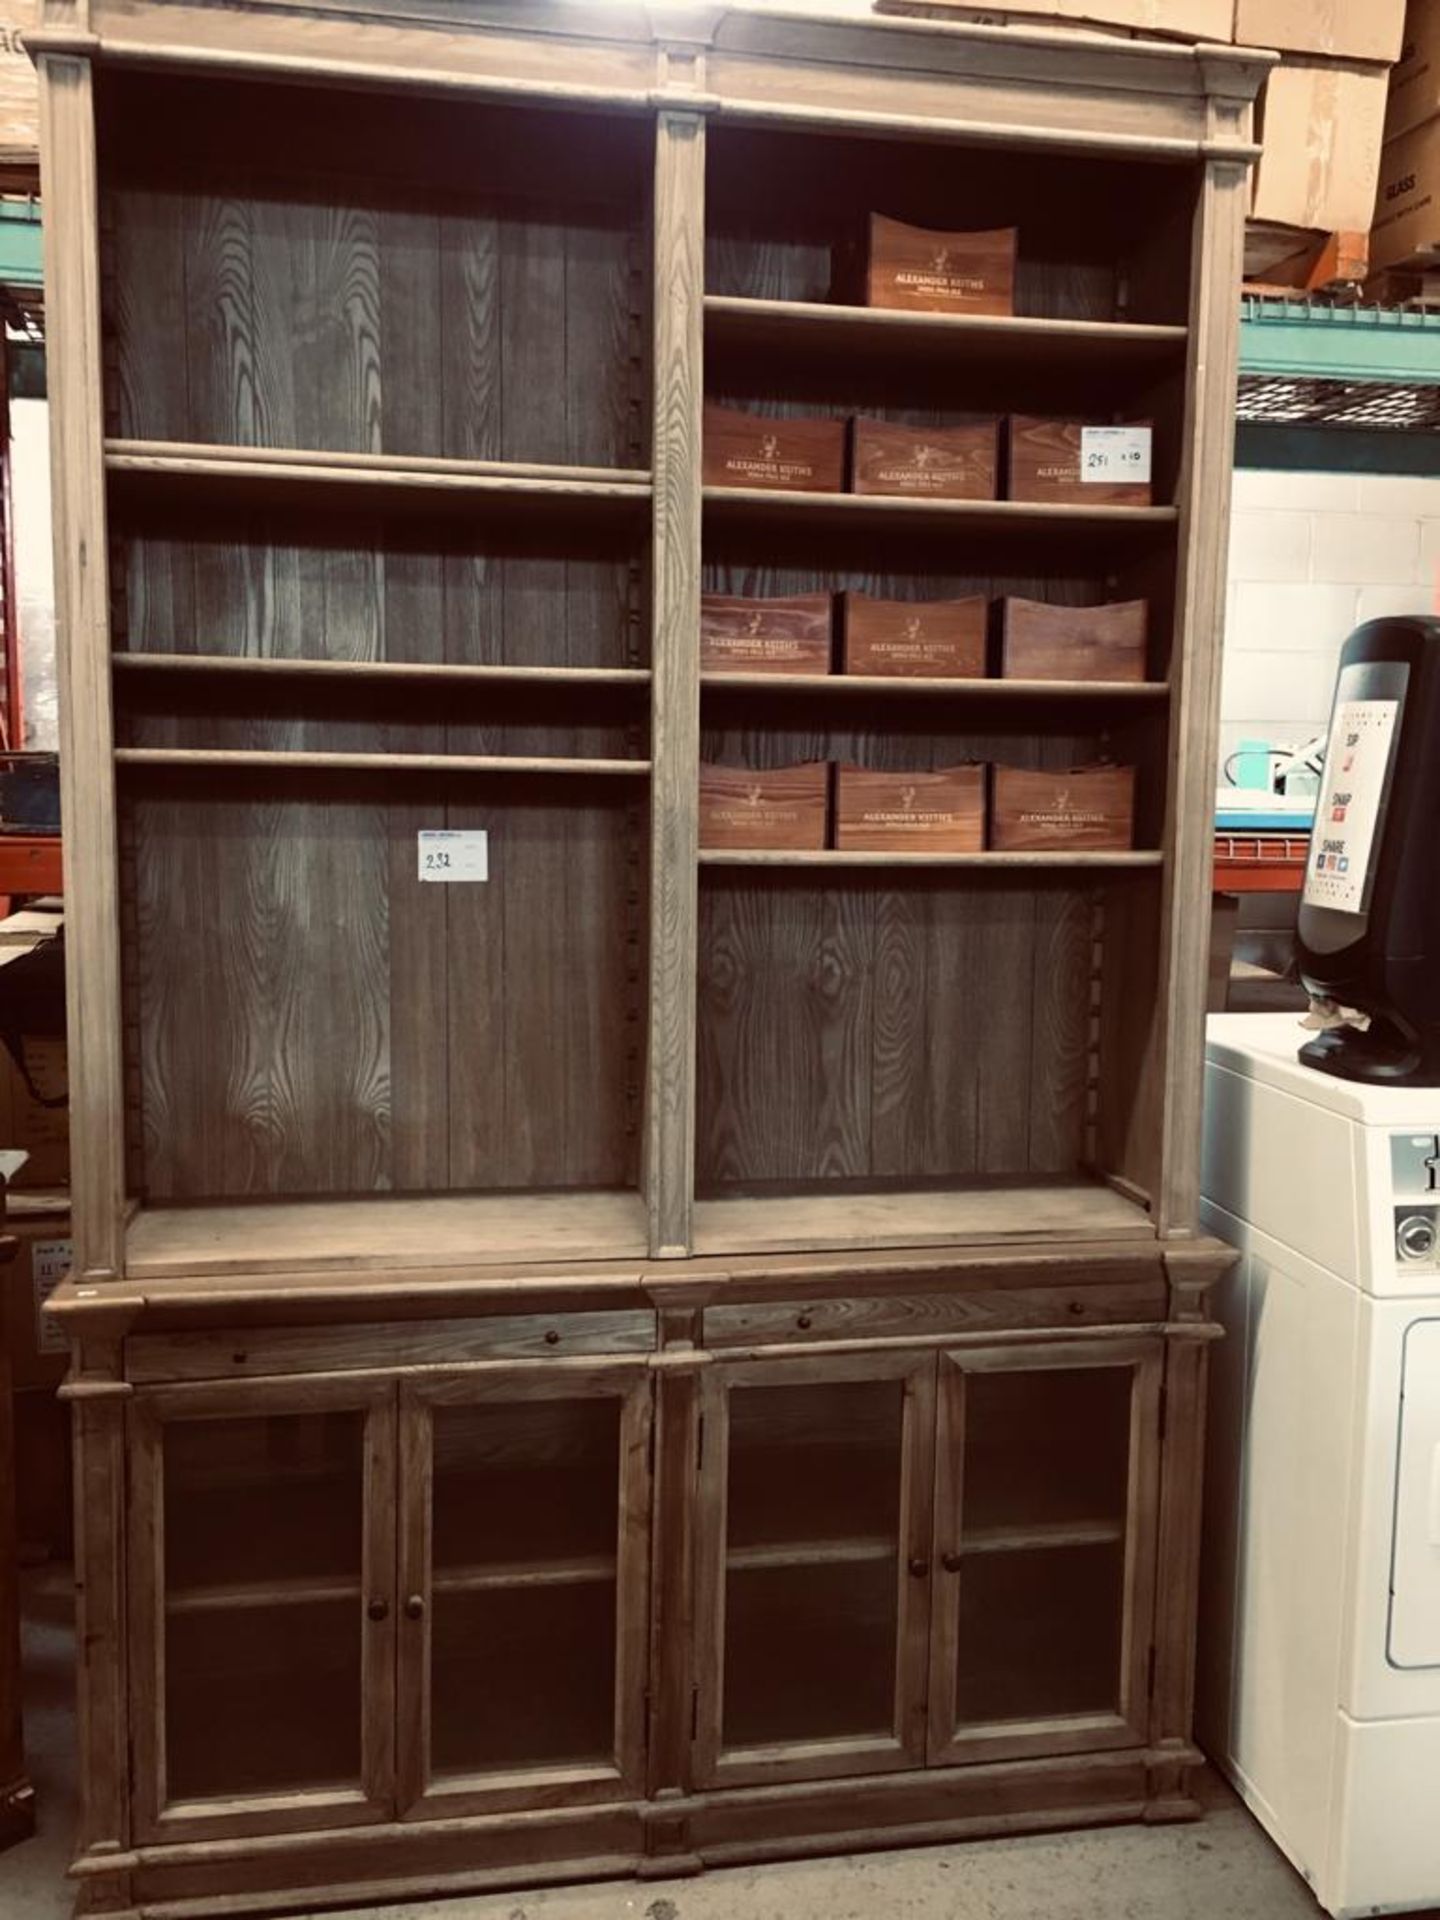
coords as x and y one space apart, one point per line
1415 80
1407 216
19 88
1322 126
39 1354
1339 29
43 1132
1211 20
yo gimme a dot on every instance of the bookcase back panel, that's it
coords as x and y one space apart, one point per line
305 1016
865 1030
788 218
469 306
313 587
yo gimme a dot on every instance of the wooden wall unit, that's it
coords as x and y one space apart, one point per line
531 1335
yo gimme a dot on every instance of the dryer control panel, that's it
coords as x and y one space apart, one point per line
1415 1180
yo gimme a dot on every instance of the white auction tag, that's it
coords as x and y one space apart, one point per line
448 853
50 1261
1108 454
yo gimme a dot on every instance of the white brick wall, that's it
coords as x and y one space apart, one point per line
1312 555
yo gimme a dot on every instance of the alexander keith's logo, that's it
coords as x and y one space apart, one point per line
926 456
912 628
770 447
753 793
907 798
754 624
940 260
1062 800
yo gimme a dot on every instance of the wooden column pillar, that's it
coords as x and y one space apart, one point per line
1217 269
675 662
82 602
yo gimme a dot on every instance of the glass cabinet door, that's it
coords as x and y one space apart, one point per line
1045 1495
524 1632
262 1604
813 1567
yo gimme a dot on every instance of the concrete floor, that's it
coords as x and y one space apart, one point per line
1221 1869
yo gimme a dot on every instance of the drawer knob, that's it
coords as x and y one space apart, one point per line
804 1322
952 1562
379 1609
415 1607
552 1338
919 1566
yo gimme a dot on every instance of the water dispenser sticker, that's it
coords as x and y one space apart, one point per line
1357 765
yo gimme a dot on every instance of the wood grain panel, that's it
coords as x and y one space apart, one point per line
871 1032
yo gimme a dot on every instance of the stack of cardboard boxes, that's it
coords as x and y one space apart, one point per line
1322 120
1407 219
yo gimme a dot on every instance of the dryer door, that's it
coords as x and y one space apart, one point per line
1415 1571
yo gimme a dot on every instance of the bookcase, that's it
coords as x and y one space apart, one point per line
594 1353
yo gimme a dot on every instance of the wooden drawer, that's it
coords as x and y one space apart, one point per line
985 1306
254 1352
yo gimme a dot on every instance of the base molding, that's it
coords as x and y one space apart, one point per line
411 1860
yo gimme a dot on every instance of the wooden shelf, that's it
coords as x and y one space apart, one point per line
250 1595
877 515
384 1231
189 470
593 1570
877 686
1046 1536
221 758
810 1553
829 857
1048 1211
246 666
984 343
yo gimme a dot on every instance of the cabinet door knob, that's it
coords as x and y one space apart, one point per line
919 1566
952 1562
379 1609
415 1607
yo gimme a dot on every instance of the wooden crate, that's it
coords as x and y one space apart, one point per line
939 812
776 807
927 463
943 639
792 455
1040 640
1086 807
925 270
740 633
1048 466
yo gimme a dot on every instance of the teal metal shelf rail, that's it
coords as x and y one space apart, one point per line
1299 340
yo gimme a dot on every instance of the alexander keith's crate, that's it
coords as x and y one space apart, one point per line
932 463
791 456
944 639
1086 808
741 634
1042 641
777 808
940 812
1079 463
